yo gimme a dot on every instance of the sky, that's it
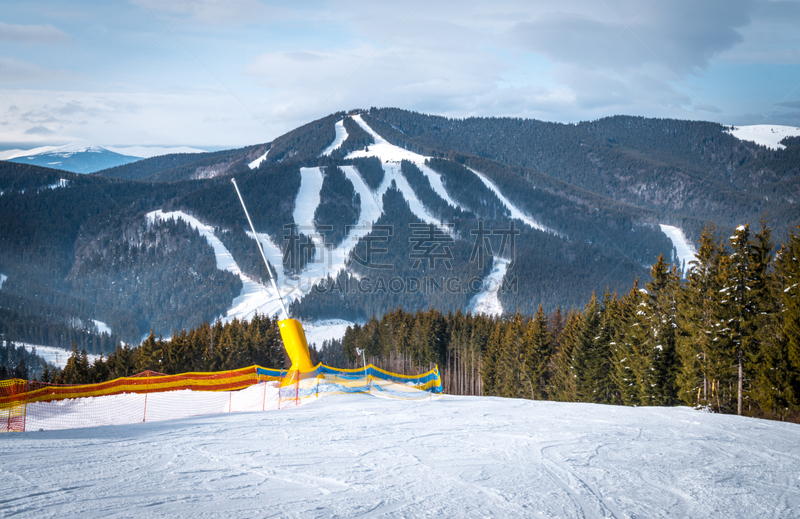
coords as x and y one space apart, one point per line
226 73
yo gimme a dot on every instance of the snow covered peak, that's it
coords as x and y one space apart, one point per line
769 135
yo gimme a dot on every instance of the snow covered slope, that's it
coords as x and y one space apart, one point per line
55 356
254 296
769 135
341 136
486 301
685 250
258 161
361 456
513 209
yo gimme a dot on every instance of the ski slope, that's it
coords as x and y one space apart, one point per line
258 161
361 456
486 301
254 296
338 140
769 135
56 356
685 251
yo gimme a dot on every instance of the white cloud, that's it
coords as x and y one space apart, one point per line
31 33
17 71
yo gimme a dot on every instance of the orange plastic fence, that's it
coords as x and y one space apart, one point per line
151 396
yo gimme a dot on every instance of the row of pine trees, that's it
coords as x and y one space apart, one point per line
216 347
726 338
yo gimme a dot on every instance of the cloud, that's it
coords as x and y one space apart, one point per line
17 71
790 104
31 33
682 35
217 12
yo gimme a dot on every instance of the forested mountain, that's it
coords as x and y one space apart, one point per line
548 212
688 169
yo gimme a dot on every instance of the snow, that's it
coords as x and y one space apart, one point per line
486 301
61 183
685 251
361 456
3 278
769 135
102 327
258 161
67 150
516 213
254 296
56 356
741 228
382 149
341 136
319 331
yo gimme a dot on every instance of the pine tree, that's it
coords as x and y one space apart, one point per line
776 370
489 369
746 290
586 357
537 345
701 340
629 339
659 386
509 377
563 387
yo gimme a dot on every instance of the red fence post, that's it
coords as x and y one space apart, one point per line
146 388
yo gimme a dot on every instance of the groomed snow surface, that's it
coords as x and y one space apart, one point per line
769 135
361 456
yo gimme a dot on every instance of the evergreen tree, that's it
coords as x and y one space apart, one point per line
563 386
659 386
701 341
509 376
537 345
746 286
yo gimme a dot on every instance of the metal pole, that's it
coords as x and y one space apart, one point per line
260 249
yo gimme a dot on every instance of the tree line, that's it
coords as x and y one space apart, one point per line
728 338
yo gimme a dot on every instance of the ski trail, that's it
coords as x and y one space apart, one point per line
684 250
389 153
341 136
254 296
516 213
487 301
258 161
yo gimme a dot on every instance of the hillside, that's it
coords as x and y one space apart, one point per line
492 213
357 455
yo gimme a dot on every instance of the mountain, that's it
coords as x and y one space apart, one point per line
79 158
362 212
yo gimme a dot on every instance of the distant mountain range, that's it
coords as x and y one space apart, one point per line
162 244
79 158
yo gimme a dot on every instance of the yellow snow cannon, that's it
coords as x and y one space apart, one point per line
294 340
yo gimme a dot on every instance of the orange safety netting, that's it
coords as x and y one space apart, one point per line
151 396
